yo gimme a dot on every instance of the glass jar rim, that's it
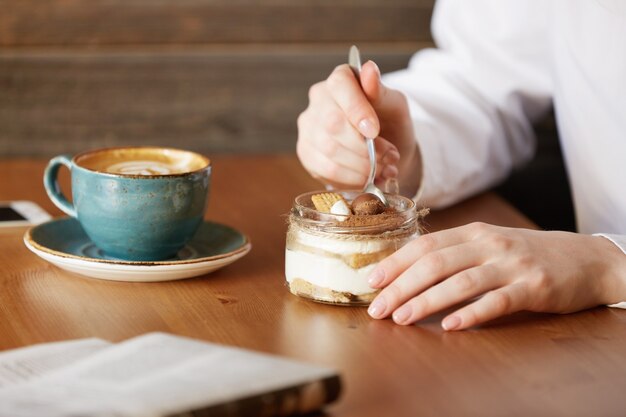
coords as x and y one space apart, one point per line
306 214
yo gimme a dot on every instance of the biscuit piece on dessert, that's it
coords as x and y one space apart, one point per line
323 202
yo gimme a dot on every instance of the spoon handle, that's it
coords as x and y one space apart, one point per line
354 60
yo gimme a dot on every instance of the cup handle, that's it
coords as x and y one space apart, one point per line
52 185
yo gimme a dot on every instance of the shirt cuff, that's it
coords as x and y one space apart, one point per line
620 242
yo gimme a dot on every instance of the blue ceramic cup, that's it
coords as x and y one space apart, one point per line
135 203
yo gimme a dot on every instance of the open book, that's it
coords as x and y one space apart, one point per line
157 374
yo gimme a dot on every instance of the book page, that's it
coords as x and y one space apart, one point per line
21 365
159 374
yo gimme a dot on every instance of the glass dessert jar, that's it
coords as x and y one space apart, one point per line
329 256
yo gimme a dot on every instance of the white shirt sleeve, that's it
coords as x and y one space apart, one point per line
620 242
474 99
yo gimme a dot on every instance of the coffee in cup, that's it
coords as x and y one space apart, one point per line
135 203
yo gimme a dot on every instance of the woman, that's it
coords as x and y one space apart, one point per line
457 121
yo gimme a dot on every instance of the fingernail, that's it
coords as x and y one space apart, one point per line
390 171
377 308
451 323
402 315
376 68
376 278
367 128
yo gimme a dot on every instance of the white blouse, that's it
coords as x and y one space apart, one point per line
499 67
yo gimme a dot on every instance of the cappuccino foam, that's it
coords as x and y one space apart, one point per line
143 161
145 168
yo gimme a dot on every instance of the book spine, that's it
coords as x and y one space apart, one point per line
290 401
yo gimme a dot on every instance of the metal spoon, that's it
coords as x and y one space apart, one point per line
354 60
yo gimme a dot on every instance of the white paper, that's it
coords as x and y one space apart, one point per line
153 375
21 365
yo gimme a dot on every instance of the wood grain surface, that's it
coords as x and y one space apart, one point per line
521 365
210 99
124 22
209 75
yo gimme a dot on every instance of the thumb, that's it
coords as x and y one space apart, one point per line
390 106
373 88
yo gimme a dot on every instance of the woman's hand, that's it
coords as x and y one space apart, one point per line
340 113
511 269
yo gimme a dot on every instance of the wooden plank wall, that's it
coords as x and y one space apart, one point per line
208 75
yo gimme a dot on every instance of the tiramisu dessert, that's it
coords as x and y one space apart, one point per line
335 239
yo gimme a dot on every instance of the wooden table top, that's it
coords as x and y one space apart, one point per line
521 365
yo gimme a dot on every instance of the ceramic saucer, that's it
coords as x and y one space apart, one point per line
63 243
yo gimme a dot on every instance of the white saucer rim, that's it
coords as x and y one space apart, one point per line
32 244
137 274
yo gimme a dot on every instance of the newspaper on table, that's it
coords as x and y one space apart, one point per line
157 374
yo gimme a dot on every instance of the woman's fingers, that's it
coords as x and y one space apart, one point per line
391 267
439 270
347 93
496 303
515 269
388 158
430 269
338 117
325 127
337 171
324 119
460 287
337 129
